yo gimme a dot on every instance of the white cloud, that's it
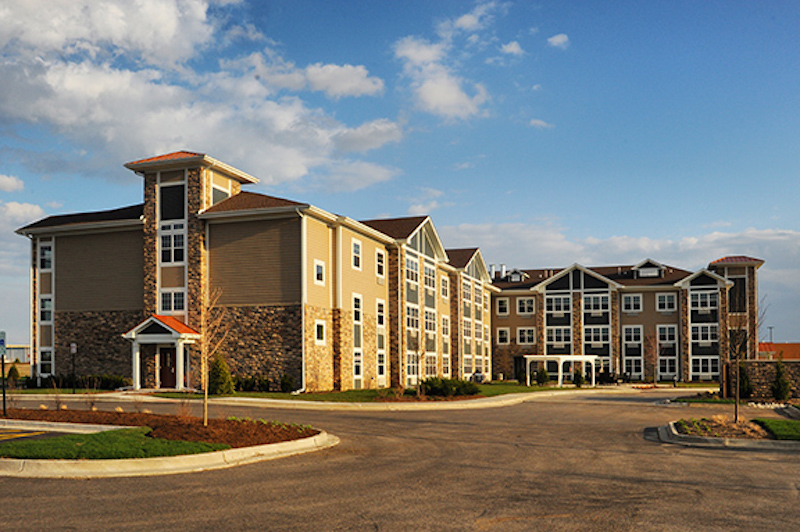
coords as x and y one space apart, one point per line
346 80
540 124
426 202
477 19
537 87
441 93
419 52
14 213
10 183
559 41
512 48
355 175
368 136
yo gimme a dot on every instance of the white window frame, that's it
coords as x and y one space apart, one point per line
171 293
466 291
49 319
319 265
169 231
559 335
673 328
445 325
501 301
631 303
445 284
357 252
466 327
429 276
48 245
317 325
526 335
670 302
412 316
500 331
595 303
380 313
380 263
558 304
523 302
430 321
597 334
635 338
705 333
358 339
704 300
412 269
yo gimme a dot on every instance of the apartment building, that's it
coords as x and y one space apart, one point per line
288 291
647 321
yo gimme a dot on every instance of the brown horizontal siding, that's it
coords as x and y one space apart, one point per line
103 271
256 262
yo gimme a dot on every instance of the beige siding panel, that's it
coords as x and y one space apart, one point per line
363 282
103 271
256 262
172 277
46 336
318 238
649 318
220 180
46 283
172 176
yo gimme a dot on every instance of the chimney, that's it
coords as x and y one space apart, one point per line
492 271
502 270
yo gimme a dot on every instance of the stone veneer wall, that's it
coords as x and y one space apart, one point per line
724 340
577 324
264 341
616 334
34 306
762 375
196 277
395 318
319 358
685 335
98 334
150 244
456 324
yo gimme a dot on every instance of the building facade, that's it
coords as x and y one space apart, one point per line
284 290
647 321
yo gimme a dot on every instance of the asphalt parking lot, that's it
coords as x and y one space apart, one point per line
568 462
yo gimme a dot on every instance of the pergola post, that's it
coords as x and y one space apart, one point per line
179 365
560 372
137 372
527 371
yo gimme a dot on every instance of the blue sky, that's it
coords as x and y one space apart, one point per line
546 133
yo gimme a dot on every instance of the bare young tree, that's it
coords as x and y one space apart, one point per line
215 330
740 337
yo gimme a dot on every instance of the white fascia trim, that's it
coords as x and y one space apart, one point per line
686 281
201 160
99 227
365 230
252 214
566 271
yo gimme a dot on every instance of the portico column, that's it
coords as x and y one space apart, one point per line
527 371
179 365
560 372
594 371
137 384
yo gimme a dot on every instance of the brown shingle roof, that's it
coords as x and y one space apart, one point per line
396 227
134 212
174 156
459 258
620 274
246 201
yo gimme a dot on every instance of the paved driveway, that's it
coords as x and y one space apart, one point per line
559 463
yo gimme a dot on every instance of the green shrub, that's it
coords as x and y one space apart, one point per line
95 382
745 386
220 381
781 387
287 383
12 376
542 377
577 378
255 383
439 387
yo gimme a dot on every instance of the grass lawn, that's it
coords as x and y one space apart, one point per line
52 391
781 429
125 443
716 400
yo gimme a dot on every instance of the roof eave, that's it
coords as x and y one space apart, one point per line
200 160
80 227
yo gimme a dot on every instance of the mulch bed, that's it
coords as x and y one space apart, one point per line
723 427
425 398
236 433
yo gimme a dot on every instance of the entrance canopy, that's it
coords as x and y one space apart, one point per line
560 359
164 331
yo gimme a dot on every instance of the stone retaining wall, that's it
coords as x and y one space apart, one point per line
762 376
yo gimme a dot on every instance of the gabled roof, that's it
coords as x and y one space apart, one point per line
623 275
687 281
460 258
398 228
248 201
584 269
184 159
643 264
160 326
118 216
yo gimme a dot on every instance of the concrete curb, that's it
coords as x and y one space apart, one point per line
51 426
669 434
792 411
166 465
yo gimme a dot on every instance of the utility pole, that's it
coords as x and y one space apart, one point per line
3 364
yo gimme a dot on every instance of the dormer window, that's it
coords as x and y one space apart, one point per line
649 272
516 277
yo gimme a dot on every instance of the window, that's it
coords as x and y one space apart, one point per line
445 362
595 335
380 263
705 333
559 335
45 256
632 303
737 297
598 303
172 204
319 332
173 301
357 335
667 366
445 326
502 306
525 305
478 332
356 254
430 365
503 335
357 363
526 335
467 328
219 194
666 334
412 270
430 277
632 334
558 304
46 362
665 302
707 366
381 363
173 242
412 317
478 297
703 301
413 364
46 309
356 308
319 272
380 313
445 287
466 291
430 321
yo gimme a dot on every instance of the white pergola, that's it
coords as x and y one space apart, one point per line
560 359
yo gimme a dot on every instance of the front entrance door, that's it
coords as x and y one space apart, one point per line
166 357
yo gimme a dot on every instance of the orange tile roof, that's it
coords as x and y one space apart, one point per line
789 351
175 324
174 156
736 259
